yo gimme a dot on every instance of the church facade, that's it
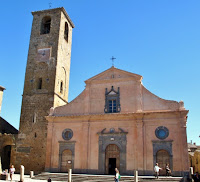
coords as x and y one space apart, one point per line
117 122
114 122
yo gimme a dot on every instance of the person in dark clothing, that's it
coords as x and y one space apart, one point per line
196 177
168 171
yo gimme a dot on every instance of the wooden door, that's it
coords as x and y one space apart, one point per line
66 160
162 158
112 155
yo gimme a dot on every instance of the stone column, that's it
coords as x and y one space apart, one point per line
140 145
21 173
70 175
49 148
135 176
31 174
183 144
191 173
0 166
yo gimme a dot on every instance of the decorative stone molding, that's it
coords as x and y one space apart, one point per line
161 132
163 145
66 145
181 105
117 138
112 95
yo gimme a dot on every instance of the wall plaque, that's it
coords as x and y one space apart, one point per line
24 149
43 55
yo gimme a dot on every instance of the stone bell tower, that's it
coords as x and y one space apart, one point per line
46 83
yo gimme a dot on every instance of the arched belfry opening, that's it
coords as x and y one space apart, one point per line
45 25
112 160
66 31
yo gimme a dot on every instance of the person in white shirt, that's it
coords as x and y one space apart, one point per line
156 170
12 170
116 175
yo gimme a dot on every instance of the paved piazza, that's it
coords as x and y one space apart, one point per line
89 178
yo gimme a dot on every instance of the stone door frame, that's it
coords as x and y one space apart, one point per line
163 145
66 145
114 155
117 138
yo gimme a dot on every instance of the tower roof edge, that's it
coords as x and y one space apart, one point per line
2 88
55 9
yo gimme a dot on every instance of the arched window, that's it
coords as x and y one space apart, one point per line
66 31
46 25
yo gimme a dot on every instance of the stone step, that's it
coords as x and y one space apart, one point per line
101 178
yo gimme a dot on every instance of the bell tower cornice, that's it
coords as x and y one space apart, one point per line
55 9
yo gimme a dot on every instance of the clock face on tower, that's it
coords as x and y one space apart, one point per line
43 55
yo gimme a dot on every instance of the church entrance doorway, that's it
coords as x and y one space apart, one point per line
6 157
162 158
112 158
66 160
112 165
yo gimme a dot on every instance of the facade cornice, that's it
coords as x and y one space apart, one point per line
117 116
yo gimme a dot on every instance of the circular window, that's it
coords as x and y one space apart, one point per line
67 134
162 132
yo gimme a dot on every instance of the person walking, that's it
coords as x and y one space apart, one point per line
168 171
156 170
196 177
12 170
116 175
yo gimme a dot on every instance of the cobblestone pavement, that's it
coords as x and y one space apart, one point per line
59 177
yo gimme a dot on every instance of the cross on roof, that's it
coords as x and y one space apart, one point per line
112 58
50 5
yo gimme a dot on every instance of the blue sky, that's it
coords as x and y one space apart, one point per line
158 39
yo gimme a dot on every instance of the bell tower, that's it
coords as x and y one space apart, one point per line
46 83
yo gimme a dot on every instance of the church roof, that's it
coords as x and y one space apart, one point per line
6 127
191 145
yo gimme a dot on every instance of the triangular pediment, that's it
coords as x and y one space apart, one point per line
114 73
112 93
